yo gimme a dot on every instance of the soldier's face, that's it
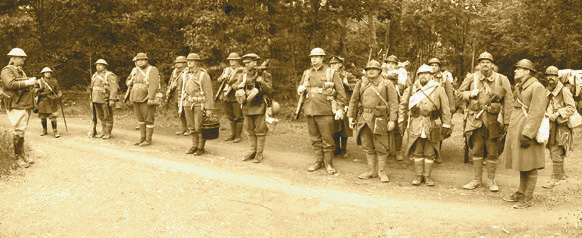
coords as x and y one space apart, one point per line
372 73
336 66
521 73
435 68
141 63
180 65
47 74
18 61
424 78
192 63
100 67
316 60
249 64
391 65
552 80
234 62
486 66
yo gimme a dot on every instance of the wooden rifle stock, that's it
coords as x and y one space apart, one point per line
300 105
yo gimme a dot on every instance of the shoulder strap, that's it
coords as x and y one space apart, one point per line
380 96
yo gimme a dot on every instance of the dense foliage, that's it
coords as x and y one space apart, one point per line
68 35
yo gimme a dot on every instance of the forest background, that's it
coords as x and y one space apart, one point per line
70 35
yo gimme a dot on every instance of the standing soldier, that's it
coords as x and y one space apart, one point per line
20 101
253 90
325 100
426 107
489 110
522 151
232 108
144 83
560 108
196 101
343 130
104 87
445 80
375 106
395 137
391 64
49 96
174 97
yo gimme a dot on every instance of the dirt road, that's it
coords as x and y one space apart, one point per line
88 187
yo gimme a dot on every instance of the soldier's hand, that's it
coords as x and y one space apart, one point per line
301 89
31 81
339 114
351 122
111 103
390 125
260 80
209 113
474 93
151 102
402 126
553 117
525 142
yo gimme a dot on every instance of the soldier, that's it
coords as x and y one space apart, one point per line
144 82
48 98
488 114
426 107
391 63
232 108
325 100
20 101
560 107
196 101
523 152
104 88
445 79
343 130
395 137
174 97
375 106
253 90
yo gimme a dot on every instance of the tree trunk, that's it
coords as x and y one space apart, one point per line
372 26
314 41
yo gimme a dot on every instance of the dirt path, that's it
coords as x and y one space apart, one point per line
83 187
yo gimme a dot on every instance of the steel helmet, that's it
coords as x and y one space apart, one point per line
552 70
17 52
275 108
317 52
251 56
180 59
392 58
46 69
101 61
485 55
424 69
193 56
140 56
434 61
525 64
336 59
373 64
233 56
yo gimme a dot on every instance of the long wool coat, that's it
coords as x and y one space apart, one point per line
533 95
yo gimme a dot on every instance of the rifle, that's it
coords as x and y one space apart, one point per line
126 97
301 101
222 86
93 123
63 112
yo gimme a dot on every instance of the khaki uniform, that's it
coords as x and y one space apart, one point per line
232 108
323 88
374 103
395 137
144 84
172 92
104 88
487 116
561 137
48 98
196 96
342 127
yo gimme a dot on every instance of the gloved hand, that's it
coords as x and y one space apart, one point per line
339 114
351 123
301 89
525 141
402 126
111 103
390 125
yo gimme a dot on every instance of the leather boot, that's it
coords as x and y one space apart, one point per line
239 129
527 200
327 159
260 148
478 171
556 173
519 195
27 160
563 175
184 123
43 123
419 170
372 171
344 144
201 144
252 148
428 164
337 143
233 131
108 129
318 164
491 167
194 144
148 139
19 153
142 133
55 130
382 159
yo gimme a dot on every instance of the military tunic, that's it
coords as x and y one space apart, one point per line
196 96
104 88
349 81
144 84
49 94
254 110
561 138
21 97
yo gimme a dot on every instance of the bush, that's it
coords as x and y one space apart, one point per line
7 161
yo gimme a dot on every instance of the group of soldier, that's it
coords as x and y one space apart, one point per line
379 110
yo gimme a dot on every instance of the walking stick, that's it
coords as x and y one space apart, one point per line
63 112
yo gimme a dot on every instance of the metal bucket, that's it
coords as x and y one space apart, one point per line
210 129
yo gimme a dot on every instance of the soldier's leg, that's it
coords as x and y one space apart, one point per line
108 123
519 194
418 159
53 118
439 159
150 111
367 139
250 128
327 128
337 143
99 110
261 130
382 148
531 181
492 147
429 160
191 125
316 143
557 154
238 121
344 145
477 140
398 145
19 120
140 115
229 113
43 122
